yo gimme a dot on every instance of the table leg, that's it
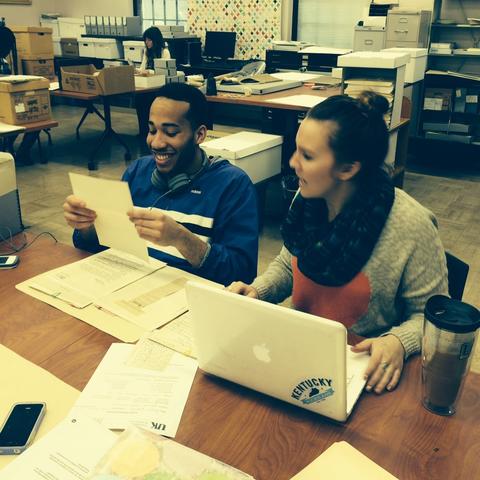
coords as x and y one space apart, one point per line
89 109
109 131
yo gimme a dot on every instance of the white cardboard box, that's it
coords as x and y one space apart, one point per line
51 23
108 48
86 47
374 59
57 47
133 50
150 81
258 154
417 64
70 27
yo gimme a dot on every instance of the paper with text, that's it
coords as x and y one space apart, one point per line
68 452
111 200
177 335
117 394
151 301
79 283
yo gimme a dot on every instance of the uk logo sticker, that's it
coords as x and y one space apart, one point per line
313 390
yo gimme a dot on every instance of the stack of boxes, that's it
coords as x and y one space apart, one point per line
66 33
24 102
173 31
168 68
35 50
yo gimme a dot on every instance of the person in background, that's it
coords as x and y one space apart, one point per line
155 47
356 250
198 213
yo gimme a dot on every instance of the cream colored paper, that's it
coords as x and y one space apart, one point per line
111 201
151 301
343 461
22 381
104 321
69 452
177 335
300 100
118 395
81 282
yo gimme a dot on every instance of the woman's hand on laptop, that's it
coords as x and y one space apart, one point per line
386 362
242 289
77 214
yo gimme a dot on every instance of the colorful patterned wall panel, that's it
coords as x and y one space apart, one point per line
257 22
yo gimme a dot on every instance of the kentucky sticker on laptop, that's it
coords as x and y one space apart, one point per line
313 390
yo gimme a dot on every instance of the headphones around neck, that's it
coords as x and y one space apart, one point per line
177 183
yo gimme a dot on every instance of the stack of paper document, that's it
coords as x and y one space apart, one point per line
384 87
146 387
342 461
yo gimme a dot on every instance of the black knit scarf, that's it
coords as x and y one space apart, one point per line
332 253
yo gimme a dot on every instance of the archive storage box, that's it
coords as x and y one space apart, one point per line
57 47
108 81
416 66
33 40
258 154
69 47
70 27
86 47
41 65
24 102
10 214
133 50
108 48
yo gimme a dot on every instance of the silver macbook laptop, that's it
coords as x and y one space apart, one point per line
294 356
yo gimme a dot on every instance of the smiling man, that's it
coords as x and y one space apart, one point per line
197 213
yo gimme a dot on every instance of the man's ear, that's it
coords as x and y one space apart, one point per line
348 170
200 134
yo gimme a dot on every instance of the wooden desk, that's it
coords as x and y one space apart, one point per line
262 436
282 119
88 99
8 138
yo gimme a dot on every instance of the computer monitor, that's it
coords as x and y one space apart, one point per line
220 44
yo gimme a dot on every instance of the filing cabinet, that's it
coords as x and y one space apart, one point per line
409 29
369 39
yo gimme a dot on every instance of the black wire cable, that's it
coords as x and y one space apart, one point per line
16 249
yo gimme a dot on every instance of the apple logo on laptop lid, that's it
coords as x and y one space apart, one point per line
262 353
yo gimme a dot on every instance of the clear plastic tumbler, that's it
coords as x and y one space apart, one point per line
449 335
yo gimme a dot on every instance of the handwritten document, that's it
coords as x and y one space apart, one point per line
177 335
118 394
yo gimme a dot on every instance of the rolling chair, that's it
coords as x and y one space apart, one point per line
457 276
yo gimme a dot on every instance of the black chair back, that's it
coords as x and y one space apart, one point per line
457 276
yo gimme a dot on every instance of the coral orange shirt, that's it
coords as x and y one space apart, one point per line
345 304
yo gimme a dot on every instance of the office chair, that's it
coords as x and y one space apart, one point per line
457 276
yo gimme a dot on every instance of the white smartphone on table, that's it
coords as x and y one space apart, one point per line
20 427
8 261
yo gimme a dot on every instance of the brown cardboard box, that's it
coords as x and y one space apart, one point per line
69 47
24 102
41 65
33 40
108 81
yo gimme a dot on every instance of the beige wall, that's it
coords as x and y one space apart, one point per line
79 8
26 14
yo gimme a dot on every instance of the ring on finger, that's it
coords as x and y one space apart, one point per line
384 365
